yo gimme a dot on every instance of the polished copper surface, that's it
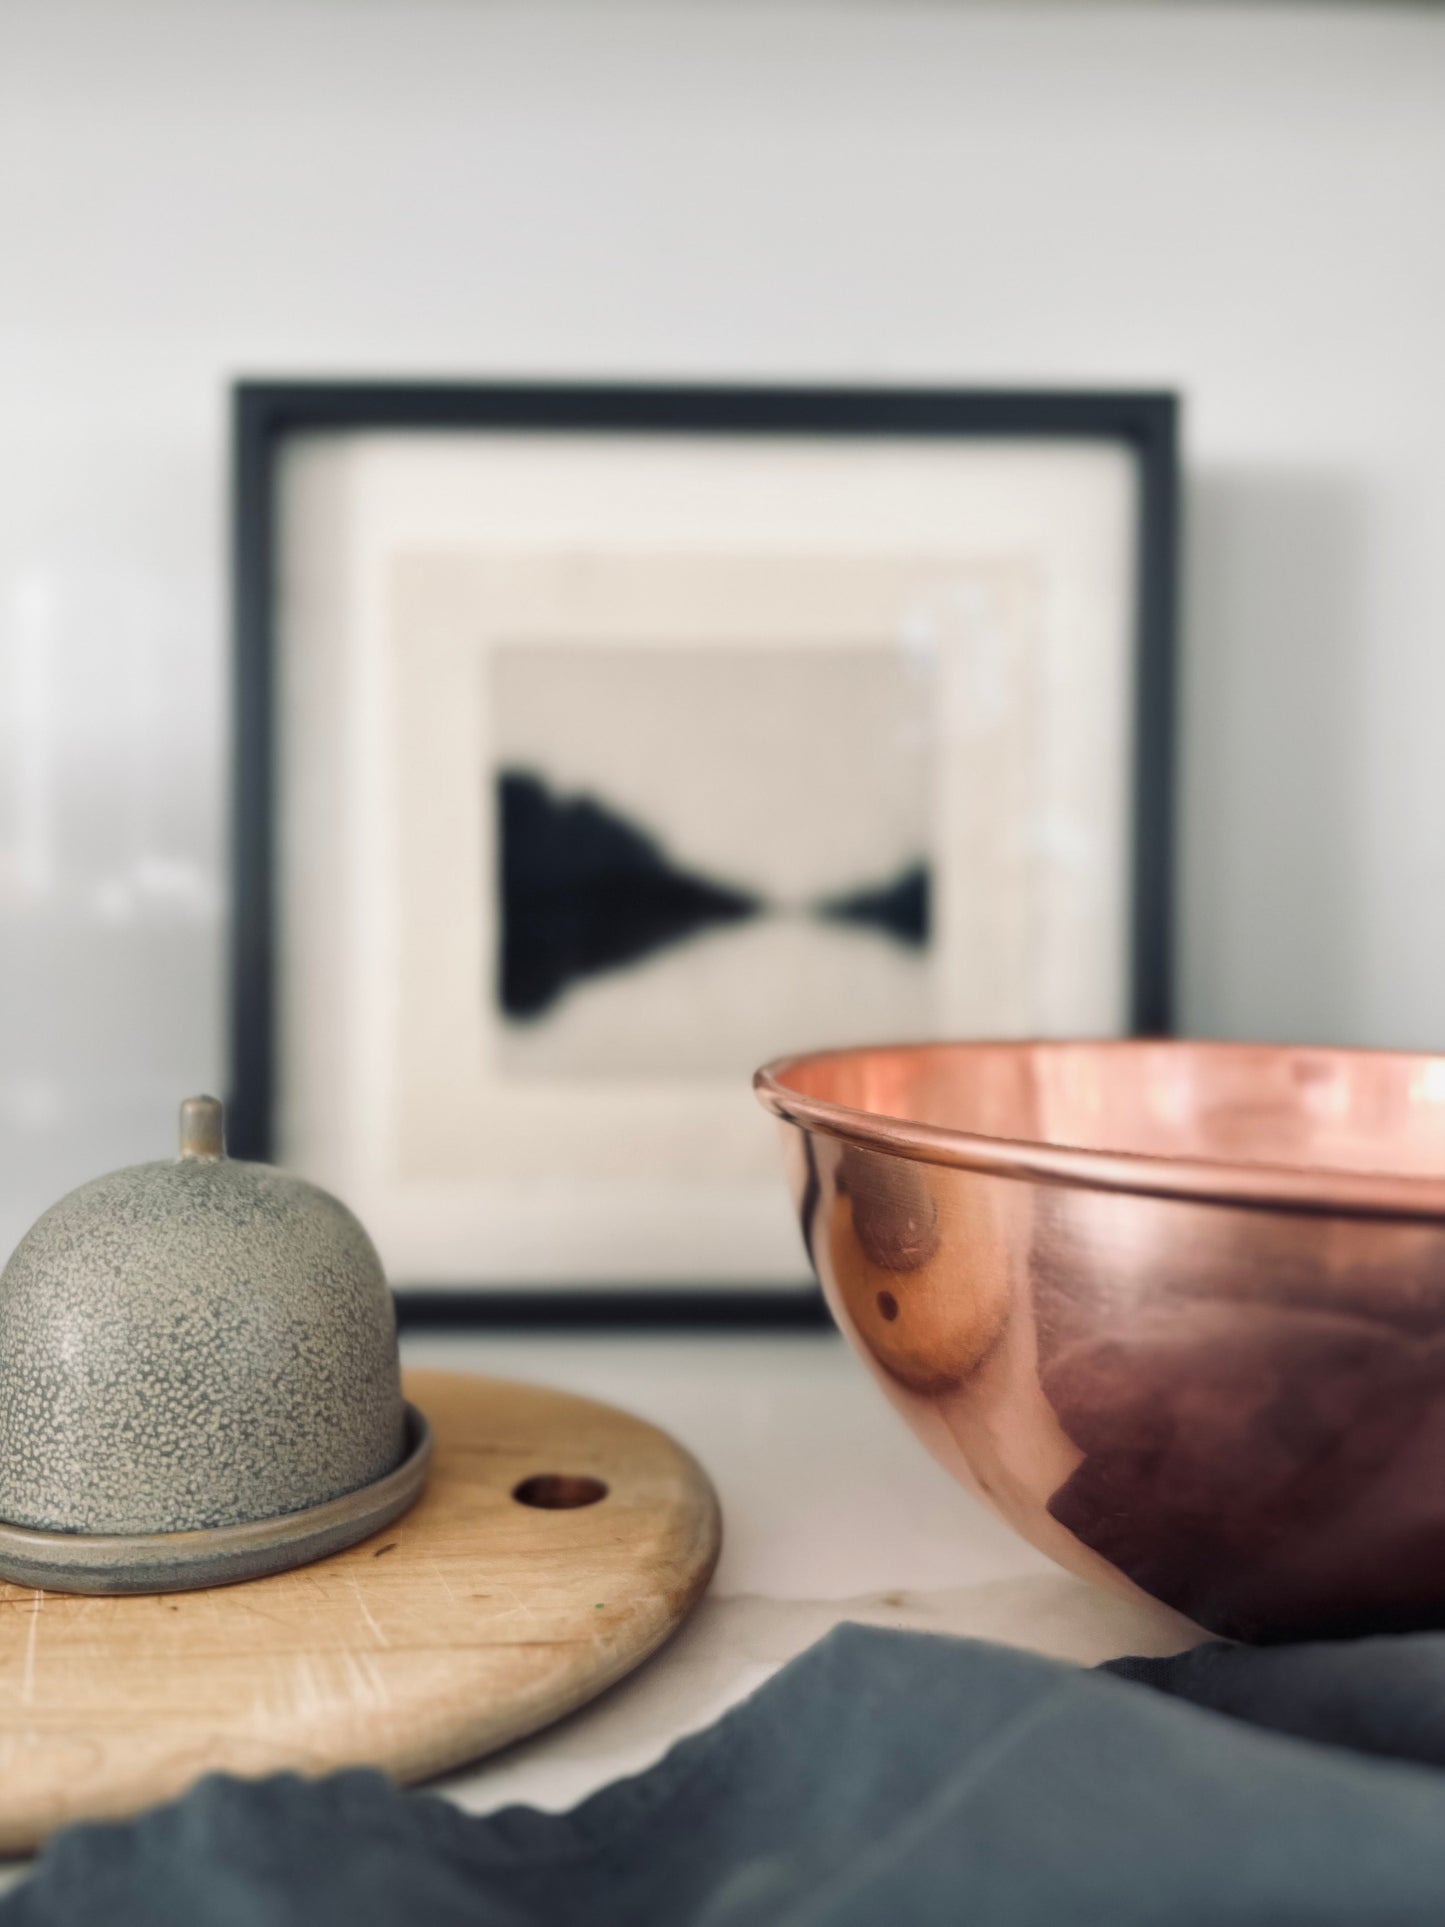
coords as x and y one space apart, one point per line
1175 1310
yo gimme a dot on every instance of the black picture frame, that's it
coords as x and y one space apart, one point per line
266 411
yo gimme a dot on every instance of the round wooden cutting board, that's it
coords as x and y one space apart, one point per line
558 1543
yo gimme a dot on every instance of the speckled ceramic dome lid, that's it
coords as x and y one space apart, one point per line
194 1344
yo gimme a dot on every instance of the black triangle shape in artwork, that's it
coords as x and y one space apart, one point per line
585 891
899 908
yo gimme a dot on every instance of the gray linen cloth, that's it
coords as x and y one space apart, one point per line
881 1779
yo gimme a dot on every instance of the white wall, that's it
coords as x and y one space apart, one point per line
1248 203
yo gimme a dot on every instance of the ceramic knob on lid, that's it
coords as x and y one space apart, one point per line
200 1347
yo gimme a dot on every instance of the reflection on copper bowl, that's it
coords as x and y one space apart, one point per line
1175 1310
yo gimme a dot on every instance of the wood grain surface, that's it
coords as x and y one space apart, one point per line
471 1621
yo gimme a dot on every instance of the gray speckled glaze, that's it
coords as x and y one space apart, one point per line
190 1345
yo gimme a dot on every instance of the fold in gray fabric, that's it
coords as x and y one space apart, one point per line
881 1778
1383 1696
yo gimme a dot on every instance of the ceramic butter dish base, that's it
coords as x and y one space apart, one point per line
222 1555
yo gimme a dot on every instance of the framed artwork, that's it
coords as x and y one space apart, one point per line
594 744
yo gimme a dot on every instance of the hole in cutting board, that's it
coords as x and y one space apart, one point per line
559 1491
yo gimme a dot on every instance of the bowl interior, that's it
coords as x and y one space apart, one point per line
1308 1109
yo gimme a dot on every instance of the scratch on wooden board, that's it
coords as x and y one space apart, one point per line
367 1614
369 1683
519 1604
27 1676
310 1699
441 1579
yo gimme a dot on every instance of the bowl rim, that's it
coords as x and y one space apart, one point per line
1307 1188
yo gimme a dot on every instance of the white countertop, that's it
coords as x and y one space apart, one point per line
831 1511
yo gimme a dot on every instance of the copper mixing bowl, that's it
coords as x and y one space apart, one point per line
1175 1310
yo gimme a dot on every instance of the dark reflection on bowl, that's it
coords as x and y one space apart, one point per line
1218 1378
1263 1450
